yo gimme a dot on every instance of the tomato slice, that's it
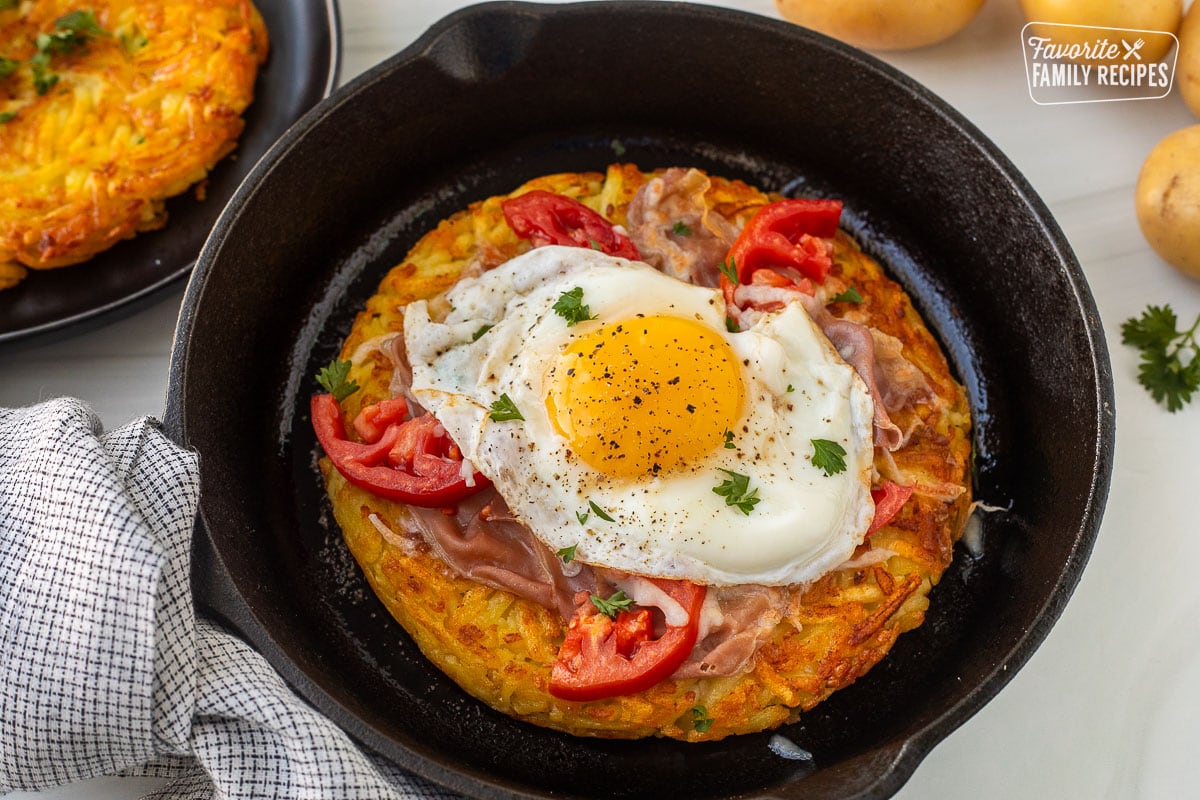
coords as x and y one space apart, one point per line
548 218
374 420
786 236
889 499
604 657
412 461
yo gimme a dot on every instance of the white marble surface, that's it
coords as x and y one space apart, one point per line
1107 707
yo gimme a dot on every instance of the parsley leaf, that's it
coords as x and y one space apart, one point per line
613 605
729 445
598 511
333 380
582 516
43 81
8 66
71 32
482 330
1170 363
701 721
851 295
567 554
680 228
81 23
7 116
5 5
731 326
570 307
829 456
505 409
736 491
729 270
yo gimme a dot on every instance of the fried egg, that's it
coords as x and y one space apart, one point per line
625 424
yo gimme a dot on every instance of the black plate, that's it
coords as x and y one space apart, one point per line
499 93
302 69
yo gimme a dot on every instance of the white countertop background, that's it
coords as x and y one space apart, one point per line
1109 707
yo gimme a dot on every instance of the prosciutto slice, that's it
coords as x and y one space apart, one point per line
483 541
731 633
901 384
676 232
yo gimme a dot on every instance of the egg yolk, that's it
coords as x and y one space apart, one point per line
646 396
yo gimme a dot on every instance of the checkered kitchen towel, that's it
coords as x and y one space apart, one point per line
104 667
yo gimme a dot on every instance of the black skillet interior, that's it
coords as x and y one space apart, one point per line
301 69
502 92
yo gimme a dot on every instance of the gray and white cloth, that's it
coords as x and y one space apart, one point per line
104 667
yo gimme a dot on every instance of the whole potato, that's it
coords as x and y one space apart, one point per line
1142 15
1168 200
882 24
1187 69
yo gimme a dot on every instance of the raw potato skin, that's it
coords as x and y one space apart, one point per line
1168 200
882 24
136 116
1144 15
1187 69
500 648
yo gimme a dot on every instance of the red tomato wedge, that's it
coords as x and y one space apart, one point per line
889 499
412 461
604 657
374 420
547 218
787 236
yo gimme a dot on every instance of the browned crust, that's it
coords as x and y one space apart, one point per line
135 117
500 648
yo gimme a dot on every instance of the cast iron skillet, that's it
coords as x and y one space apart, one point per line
499 93
301 69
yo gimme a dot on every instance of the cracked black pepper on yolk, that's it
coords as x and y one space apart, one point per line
646 396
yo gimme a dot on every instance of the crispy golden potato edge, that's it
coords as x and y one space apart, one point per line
136 117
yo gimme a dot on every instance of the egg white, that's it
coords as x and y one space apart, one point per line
797 388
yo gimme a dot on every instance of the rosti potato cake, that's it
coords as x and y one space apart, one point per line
501 631
107 109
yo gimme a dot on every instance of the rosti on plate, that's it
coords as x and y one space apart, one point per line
646 454
107 109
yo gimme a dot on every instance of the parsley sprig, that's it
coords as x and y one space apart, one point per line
333 379
570 306
613 605
737 492
701 721
598 511
829 456
567 554
1170 363
851 295
72 32
505 409
730 271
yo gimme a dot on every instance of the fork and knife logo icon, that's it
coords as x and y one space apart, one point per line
1132 49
